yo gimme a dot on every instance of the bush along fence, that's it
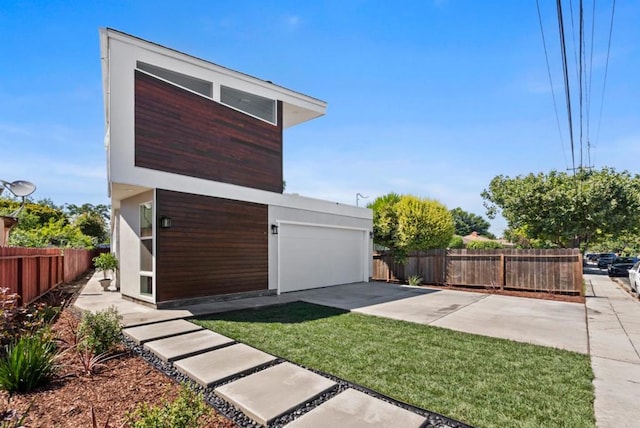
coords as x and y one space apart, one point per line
550 271
31 272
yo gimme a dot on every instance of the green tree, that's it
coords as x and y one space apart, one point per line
407 223
567 210
467 223
43 224
385 220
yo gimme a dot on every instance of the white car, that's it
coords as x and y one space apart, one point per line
634 277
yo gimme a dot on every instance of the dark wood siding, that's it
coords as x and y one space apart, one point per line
184 133
214 246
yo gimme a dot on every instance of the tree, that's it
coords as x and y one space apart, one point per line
407 223
43 224
567 210
467 223
385 219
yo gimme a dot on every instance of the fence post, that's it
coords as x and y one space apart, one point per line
502 273
19 279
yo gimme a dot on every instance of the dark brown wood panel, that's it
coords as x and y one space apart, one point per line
184 133
214 247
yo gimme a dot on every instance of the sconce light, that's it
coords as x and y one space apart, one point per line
165 222
371 234
274 229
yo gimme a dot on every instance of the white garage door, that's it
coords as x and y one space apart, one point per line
318 256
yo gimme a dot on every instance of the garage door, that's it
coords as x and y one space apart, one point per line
319 256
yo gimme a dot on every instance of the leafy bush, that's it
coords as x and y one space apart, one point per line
100 332
456 242
405 223
105 262
11 418
27 363
415 280
484 245
183 412
16 321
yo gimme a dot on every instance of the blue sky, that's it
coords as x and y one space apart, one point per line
432 98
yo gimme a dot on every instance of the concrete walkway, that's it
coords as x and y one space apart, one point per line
612 338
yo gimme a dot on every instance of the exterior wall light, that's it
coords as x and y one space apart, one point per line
371 234
165 222
274 229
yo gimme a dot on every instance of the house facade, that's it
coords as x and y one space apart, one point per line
195 176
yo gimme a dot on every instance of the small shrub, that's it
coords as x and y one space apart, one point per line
415 280
100 332
183 412
11 418
16 321
27 363
484 245
105 262
456 242
77 344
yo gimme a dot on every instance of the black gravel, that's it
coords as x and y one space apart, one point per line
434 420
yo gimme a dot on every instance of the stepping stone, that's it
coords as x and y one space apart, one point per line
270 393
186 345
355 409
219 365
160 330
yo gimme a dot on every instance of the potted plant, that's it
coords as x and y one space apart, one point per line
105 262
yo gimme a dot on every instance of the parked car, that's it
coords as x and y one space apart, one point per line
605 260
634 277
621 266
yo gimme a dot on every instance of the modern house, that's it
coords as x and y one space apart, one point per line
195 175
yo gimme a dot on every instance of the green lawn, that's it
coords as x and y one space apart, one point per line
479 380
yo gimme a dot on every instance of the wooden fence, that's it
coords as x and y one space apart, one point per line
31 272
552 271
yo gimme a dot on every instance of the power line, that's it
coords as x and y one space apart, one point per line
565 72
606 69
580 68
588 88
553 94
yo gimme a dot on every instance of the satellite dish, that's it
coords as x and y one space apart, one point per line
20 188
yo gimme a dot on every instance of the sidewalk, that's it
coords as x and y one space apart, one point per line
613 317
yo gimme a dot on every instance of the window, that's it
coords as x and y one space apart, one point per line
193 83
255 105
146 249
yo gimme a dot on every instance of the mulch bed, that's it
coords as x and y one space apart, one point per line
111 392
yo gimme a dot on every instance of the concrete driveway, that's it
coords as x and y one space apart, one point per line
541 322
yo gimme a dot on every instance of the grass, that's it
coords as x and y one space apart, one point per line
482 381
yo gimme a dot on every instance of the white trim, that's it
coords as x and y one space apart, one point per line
153 238
279 257
155 76
330 226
